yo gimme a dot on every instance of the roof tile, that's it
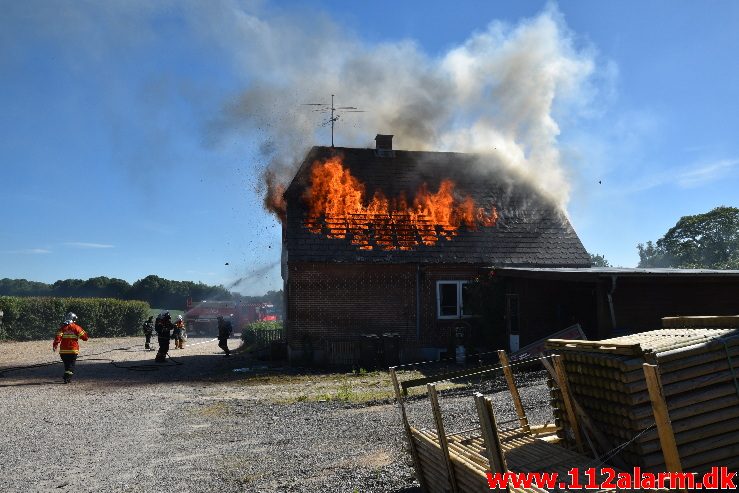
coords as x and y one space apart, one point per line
531 231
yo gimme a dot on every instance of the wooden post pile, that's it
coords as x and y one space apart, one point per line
697 361
459 462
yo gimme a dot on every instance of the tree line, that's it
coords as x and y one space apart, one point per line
701 241
157 291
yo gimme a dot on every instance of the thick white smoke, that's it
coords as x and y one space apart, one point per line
500 92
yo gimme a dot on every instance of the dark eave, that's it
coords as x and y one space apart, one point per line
596 273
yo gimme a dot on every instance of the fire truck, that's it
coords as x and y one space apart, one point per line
202 318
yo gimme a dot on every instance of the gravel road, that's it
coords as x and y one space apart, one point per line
198 426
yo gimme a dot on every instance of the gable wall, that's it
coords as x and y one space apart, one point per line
340 302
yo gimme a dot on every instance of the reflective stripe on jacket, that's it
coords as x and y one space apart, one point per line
66 338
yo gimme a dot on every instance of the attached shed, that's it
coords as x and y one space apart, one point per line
386 263
609 302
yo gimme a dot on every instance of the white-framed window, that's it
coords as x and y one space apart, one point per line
450 299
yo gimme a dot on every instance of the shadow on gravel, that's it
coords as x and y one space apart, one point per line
112 370
26 384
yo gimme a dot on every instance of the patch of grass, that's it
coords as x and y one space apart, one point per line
345 392
361 387
250 478
214 410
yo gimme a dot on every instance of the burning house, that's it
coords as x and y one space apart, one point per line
382 241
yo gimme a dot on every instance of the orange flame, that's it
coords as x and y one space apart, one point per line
337 208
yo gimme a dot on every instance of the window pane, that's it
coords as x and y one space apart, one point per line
467 305
448 299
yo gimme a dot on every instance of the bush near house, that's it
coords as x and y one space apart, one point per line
251 332
38 318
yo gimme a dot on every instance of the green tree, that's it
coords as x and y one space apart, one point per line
22 287
708 241
597 260
105 287
199 292
68 288
157 291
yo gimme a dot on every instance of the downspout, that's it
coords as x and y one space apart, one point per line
610 302
418 303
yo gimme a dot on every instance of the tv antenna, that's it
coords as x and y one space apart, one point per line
335 113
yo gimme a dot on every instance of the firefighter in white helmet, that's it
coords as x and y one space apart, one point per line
179 333
66 340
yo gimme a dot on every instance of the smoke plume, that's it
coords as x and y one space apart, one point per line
254 276
501 92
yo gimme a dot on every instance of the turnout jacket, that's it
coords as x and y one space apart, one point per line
179 329
66 338
224 329
164 327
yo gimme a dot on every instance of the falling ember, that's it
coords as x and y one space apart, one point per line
337 208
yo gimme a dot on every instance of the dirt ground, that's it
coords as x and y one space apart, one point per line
204 422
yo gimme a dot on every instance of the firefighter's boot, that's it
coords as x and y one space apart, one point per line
67 376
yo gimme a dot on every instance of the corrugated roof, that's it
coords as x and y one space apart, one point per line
530 231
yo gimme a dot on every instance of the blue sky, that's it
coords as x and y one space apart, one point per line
133 135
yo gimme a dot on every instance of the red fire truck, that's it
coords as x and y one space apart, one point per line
201 318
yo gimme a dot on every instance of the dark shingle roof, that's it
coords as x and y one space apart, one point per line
530 231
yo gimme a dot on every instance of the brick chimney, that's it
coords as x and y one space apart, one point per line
384 145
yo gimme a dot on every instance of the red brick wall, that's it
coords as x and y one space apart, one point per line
336 301
436 332
343 300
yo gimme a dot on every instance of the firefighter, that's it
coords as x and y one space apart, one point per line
224 331
179 333
163 326
66 340
148 330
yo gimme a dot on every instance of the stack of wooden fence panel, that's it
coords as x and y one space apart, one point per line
698 361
